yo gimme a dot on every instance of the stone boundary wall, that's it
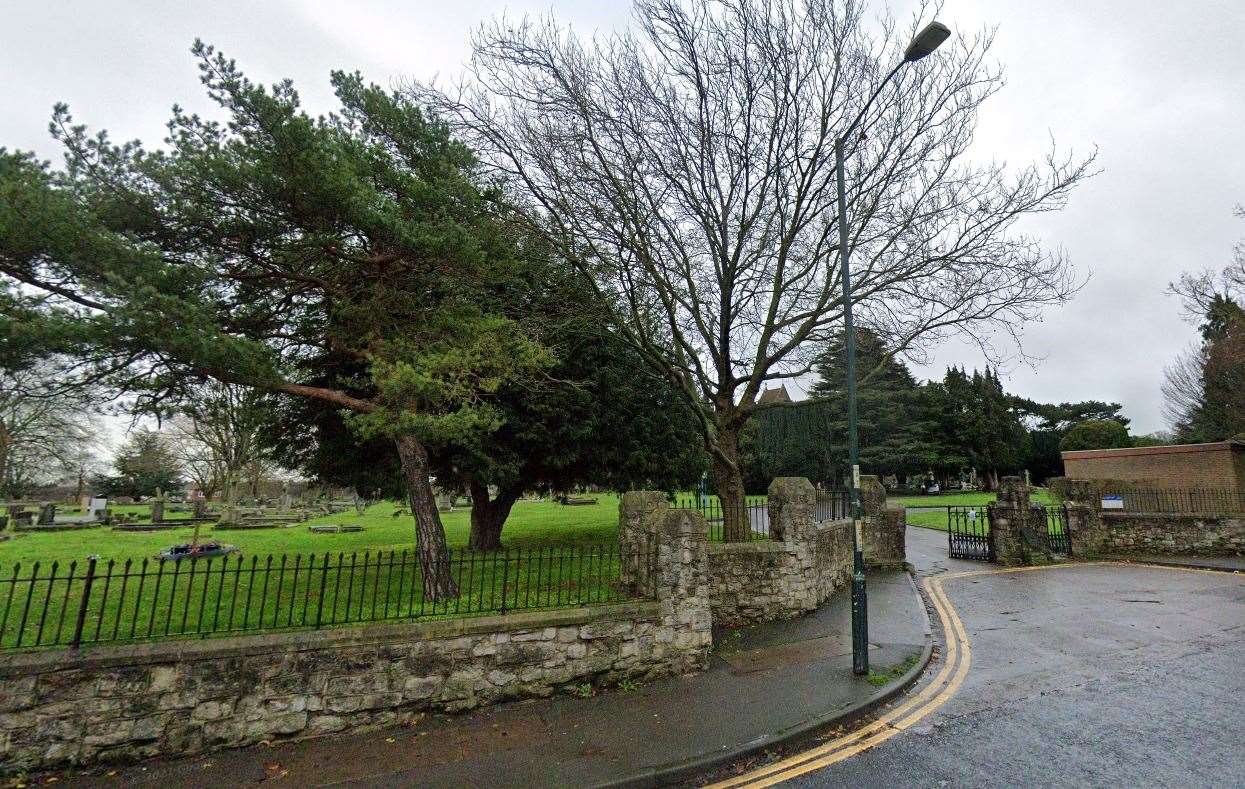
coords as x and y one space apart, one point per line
804 564
179 698
1175 534
1096 532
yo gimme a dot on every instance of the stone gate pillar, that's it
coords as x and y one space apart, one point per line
640 515
1086 527
791 506
665 555
884 528
1017 531
683 585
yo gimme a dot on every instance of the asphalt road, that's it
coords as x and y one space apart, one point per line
1086 675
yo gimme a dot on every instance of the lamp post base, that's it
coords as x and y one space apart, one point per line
860 620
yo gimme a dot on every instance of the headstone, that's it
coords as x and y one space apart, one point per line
157 509
98 508
47 514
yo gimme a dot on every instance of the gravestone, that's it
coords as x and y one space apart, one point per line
98 509
47 514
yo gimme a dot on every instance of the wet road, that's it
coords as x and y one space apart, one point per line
1085 675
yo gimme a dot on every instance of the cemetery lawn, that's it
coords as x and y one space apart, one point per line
936 516
531 524
567 556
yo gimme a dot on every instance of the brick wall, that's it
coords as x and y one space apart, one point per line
1219 465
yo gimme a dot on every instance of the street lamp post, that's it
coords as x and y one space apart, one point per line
925 42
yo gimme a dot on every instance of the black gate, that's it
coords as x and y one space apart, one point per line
968 534
1058 539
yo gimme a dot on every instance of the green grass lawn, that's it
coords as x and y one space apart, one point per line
531 524
556 555
937 518
972 498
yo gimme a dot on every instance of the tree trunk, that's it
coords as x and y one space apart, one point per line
990 480
488 517
728 481
430 546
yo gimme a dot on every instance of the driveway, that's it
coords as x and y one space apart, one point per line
1080 675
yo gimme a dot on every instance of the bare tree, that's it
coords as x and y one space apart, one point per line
45 426
218 438
688 167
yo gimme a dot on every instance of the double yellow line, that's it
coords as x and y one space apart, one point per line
906 715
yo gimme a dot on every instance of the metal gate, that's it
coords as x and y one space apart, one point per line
968 534
1058 538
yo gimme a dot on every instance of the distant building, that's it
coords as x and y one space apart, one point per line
778 395
1219 465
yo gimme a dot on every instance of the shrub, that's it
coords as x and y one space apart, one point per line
1096 434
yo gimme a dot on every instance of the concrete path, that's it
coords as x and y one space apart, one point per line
764 682
1080 675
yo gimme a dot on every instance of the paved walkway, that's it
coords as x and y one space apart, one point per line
763 681
1228 563
1079 675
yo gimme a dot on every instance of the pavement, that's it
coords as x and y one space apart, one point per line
1118 674
765 684
1121 673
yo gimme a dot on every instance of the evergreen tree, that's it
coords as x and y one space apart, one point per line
1206 391
247 248
978 425
1096 434
1048 423
145 464
893 414
598 417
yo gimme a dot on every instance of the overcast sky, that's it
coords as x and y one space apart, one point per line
1158 87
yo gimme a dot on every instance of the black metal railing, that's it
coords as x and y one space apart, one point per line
1058 538
102 601
833 505
1196 501
748 521
968 534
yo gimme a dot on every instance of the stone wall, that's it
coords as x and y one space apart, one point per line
804 565
1174 534
185 697
1096 532
884 533
1017 527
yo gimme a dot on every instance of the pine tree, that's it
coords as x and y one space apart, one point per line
245 249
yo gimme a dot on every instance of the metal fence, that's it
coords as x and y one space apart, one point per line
96 601
969 532
1058 538
1197 501
833 505
751 519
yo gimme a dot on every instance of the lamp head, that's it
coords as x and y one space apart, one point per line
926 41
